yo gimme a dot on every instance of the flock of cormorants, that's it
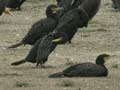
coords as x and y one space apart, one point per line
59 26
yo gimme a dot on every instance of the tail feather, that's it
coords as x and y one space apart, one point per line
15 45
18 62
56 75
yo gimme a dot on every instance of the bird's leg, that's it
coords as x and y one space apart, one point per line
69 41
42 65
37 65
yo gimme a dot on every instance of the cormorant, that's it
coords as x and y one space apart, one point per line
90 6
69 23
3 9
41 27
67 27
87 69
40 51
15 4
65 30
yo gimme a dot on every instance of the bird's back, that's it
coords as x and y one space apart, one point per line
86 70
14 3
39 29
91 7
46 46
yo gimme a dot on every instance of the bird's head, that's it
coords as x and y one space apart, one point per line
100 60
52 10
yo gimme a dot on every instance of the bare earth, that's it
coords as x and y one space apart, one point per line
101 36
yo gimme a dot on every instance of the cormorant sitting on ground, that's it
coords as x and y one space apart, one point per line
87 69
3 9
15 4
41 27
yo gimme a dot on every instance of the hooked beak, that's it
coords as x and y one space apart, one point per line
106 58
113 55
57 9
7 11
57 40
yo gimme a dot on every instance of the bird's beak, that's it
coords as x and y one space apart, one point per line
106 58
57 40
112 56
8 11
57 9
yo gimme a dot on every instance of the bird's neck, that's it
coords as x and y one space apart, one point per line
100 61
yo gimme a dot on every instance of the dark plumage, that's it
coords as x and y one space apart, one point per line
90 6
40 51
2 6
69 22
116 4
65 29
68 25
40 28
46 46
58 2
31 57
66 4
85 69
15 4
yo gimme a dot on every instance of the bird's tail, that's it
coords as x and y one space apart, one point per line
18 62
56 75
15 45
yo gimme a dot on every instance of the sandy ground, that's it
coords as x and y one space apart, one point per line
101 36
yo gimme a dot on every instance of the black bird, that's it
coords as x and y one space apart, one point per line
40 51
41 27
87 69
44 46
63 32
91 7
66 28
88 7
15 4
3 8
70 22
